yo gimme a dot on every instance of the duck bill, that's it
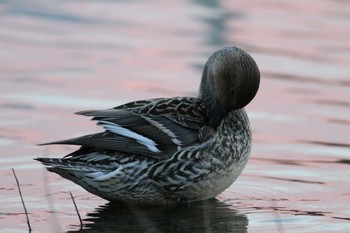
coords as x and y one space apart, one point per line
216 115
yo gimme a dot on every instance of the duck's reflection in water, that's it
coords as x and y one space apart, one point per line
207 216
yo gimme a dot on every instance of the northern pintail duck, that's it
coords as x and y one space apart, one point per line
162 151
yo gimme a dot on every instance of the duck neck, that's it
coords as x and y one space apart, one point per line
235 123
207 95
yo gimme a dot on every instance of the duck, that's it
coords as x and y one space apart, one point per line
165 151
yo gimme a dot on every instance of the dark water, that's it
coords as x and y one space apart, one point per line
208 216
60 57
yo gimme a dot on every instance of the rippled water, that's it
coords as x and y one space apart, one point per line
59 57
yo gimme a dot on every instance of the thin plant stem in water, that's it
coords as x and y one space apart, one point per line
24 206
76 209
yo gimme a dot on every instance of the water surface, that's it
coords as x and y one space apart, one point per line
60 57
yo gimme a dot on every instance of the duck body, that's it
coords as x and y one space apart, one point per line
163 151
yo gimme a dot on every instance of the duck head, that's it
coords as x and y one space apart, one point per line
230 80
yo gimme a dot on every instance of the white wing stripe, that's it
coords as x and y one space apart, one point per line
114 128
161 127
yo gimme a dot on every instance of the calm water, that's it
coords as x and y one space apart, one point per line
59 57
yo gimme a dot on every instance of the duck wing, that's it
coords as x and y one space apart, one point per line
156 127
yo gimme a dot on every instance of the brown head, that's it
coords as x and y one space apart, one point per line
230 80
